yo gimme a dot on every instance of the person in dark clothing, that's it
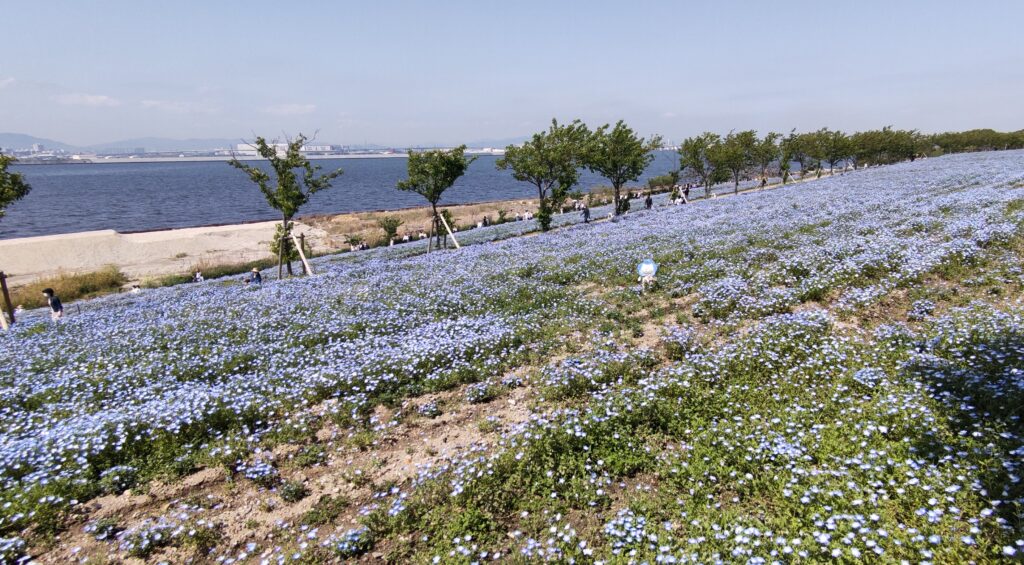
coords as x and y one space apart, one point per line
648 202
256 276
56 308
487 221
586 214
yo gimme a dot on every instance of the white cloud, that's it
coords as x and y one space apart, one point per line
5 82
80 99
290 109
176 107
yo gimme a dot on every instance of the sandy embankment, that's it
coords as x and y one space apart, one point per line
139 255
167 252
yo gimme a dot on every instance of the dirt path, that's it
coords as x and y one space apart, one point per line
350 471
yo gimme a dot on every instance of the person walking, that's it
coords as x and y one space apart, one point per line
56 308
586 214
648 202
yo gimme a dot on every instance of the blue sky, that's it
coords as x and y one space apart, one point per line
411 73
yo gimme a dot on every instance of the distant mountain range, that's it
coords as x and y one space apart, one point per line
22 141
153 144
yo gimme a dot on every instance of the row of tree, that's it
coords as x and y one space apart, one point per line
973 140
552 160
712 158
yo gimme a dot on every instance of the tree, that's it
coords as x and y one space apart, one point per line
433 172
295 180
799 147
832 147
787 154
390 225
620 156
868 147
550 161
735 154
695 154
765 152
12 185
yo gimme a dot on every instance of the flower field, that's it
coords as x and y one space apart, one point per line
830 371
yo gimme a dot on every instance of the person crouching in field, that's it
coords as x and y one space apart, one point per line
56 308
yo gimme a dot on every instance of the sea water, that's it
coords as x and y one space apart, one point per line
128 197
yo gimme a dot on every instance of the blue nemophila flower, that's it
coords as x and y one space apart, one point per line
869 443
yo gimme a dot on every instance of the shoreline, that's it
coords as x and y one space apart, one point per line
93 160
150 254
154 253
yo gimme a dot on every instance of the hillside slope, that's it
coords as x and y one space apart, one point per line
825 371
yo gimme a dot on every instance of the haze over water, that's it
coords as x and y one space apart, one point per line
149 196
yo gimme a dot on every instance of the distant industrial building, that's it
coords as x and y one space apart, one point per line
249 150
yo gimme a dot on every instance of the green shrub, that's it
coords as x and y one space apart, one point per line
325 511
293 491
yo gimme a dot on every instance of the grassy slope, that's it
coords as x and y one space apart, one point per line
738 435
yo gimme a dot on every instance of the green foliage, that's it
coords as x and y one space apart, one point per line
201 536
668 180
735 154
765 152
309 455
696 154
828 146
433 172
295 180
449 218
971 140
12 185
620 156
884 146
796 147
293 491
117 480
290 252
550 161
326 510
390 225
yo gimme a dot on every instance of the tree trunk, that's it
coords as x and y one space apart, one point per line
436 223
285 246
618 207
280 250
543 213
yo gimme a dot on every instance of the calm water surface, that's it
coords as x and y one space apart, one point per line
148 196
